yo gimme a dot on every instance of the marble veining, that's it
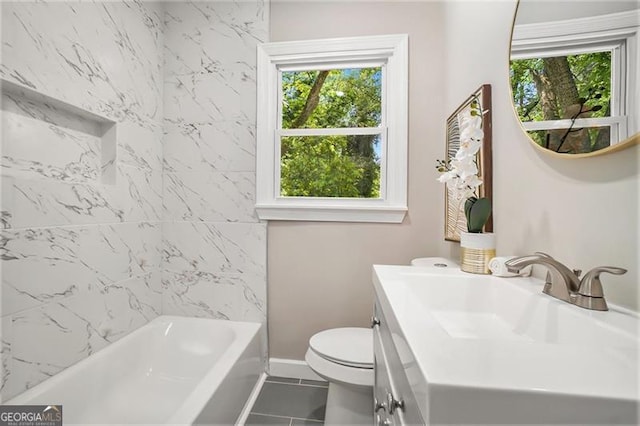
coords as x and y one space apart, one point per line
105 226
34 149
141 192
215 270
223 296
214 248
5 356
136 196
206 147
47 264
67 336
138 144
210 89
93 62
81 169
76 327
41 203
217 196
30 103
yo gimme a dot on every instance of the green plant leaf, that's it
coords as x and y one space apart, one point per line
479 212
467 208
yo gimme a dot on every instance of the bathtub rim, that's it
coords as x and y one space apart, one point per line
195 401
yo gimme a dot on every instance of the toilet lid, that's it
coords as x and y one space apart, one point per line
349 346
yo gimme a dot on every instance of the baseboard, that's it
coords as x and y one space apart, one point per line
292 368
242 419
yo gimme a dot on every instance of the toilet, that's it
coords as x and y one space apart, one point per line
344 357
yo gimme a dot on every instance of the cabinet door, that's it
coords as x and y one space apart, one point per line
391 383
382 384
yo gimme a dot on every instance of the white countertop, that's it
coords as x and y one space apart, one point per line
481 332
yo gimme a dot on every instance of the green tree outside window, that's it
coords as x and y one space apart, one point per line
336 165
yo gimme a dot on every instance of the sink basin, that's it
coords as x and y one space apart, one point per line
497 350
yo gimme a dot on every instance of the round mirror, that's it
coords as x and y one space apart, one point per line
574 74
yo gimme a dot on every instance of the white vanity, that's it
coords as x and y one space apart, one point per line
459 348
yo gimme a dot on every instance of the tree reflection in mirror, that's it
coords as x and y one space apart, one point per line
564 102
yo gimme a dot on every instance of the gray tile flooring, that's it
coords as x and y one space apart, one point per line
289 402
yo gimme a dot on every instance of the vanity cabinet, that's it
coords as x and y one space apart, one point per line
394 402
458 348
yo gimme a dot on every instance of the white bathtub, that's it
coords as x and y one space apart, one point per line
174 370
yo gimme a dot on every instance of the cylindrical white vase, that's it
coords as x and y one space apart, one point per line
476 250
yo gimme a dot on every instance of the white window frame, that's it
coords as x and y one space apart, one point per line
388 51
617 33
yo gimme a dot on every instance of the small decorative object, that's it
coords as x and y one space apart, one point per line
467 174
476 250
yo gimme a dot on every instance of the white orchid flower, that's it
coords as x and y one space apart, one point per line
447 176
469 147
464 115
465 168
462 175
466 120
473 133
463 192
472 181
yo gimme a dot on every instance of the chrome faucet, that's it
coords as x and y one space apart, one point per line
564 284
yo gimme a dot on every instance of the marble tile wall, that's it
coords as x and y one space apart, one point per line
85 259
81 255
214 247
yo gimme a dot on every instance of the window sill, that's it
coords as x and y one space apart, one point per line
369 214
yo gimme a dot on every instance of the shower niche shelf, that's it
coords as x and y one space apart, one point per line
45 137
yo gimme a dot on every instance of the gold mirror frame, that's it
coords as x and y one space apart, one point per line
626 143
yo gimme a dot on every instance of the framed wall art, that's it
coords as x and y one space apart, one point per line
479 102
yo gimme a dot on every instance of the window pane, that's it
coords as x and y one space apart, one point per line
574 141
331 99
330 166
560 87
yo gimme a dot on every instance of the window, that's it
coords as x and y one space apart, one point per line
332 130
569 79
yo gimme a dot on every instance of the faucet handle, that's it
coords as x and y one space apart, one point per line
591 286
590 294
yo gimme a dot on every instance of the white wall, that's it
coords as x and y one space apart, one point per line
531 11
320 273
583 212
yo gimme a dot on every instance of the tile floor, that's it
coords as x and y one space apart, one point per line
289 402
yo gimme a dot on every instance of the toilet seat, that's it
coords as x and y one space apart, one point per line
349 346
343 355
338 373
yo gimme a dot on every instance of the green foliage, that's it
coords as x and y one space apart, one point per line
591 71
331 166
477 212
591 75
348 98
317 167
